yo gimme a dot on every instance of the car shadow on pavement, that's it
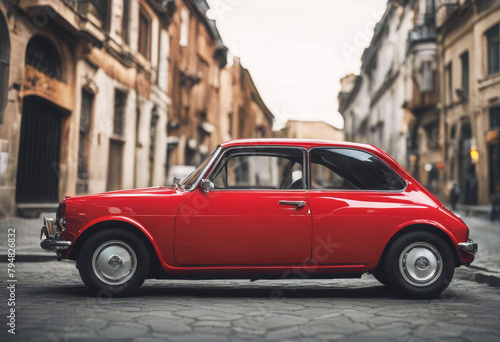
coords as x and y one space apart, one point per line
271 292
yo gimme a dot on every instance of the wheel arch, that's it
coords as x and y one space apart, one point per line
155 266
426 227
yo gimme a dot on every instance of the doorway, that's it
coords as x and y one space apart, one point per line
39 152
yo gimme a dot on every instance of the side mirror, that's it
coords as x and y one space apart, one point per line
206 185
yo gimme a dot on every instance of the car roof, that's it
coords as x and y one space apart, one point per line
305 143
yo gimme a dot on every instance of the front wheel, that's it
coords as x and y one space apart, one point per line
420 264
114 261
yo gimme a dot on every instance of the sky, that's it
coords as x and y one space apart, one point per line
297 51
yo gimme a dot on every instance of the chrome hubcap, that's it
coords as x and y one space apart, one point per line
114 262
420 264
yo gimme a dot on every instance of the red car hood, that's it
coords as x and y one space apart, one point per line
127 193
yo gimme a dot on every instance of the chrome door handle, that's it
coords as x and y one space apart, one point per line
298 204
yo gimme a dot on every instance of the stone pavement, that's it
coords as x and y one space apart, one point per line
27 238
54 305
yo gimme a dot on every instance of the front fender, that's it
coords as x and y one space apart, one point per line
116 218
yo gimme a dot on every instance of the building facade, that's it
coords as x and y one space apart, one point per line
393 103
243 112
373 108
469 50
196 59
105 95
84 93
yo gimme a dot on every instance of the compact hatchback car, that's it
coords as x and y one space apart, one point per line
272 208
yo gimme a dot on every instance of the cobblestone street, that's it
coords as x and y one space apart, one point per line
53 304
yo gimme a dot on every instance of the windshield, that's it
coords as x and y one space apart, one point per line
190 180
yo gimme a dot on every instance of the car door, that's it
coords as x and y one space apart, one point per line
357 201
257 213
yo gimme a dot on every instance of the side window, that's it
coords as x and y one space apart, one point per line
349 169
270 168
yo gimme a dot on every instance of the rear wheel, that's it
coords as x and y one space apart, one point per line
114 261
420 264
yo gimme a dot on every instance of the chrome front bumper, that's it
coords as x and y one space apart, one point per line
468 247
53 239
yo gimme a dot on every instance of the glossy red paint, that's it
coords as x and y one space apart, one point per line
243 228
247 233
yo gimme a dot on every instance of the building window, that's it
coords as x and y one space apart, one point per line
495 118
152 143
465 73
84 143
163 52
144 35
428 77
125 21
115 165
120 105
493 49
42 55
183 40
449 81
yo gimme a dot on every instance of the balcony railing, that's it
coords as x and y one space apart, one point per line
422 33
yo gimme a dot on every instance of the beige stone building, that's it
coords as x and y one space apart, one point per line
84 93
298 129
243 113
197 56
468 36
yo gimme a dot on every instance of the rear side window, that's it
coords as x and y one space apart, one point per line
349 169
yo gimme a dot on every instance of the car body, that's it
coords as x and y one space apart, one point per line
268 208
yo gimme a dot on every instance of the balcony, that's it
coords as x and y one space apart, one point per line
422 33
97 9
445 10
421 101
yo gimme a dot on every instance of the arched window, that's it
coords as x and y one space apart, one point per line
4 65
42 55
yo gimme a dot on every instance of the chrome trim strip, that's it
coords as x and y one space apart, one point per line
52 245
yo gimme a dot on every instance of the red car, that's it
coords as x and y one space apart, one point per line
271 208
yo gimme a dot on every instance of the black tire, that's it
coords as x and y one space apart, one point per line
382 278
420 265
114 261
